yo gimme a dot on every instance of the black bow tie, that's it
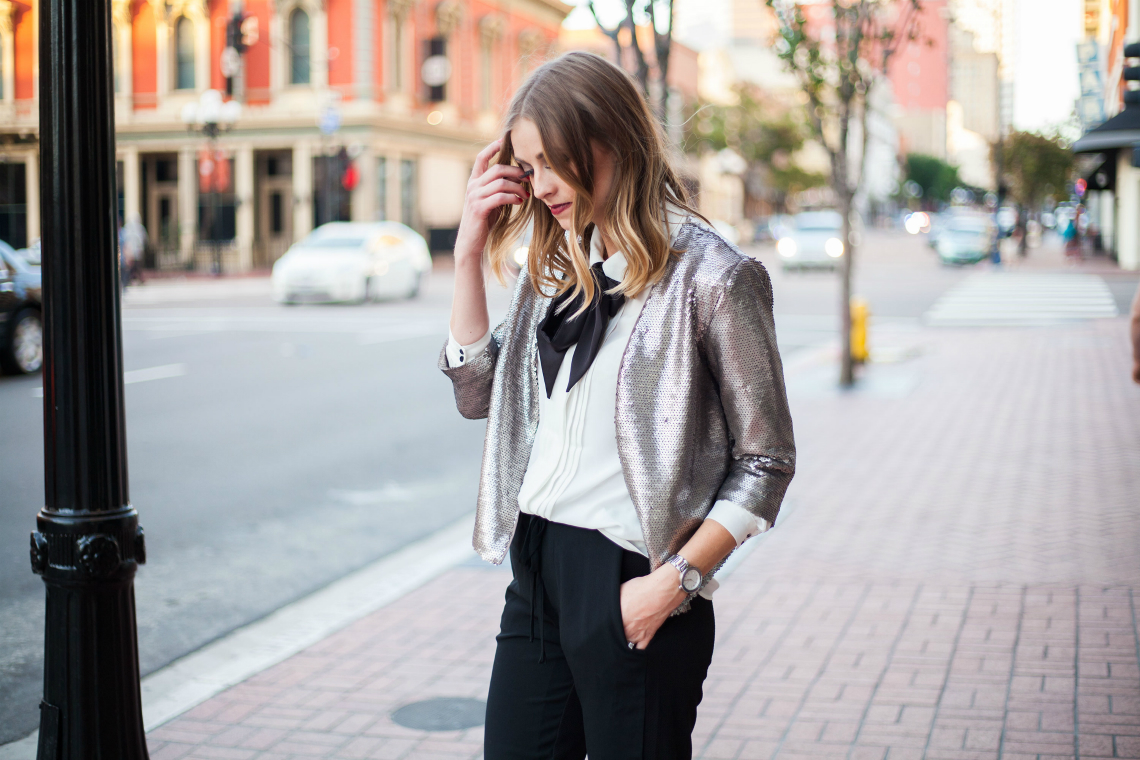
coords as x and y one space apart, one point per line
558 331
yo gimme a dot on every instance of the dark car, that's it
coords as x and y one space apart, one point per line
21 316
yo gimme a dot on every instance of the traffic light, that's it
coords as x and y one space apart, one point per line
349 174
234 36
241 34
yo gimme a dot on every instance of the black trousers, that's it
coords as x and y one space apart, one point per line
565 682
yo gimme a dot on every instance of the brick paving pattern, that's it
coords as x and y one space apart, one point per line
955 580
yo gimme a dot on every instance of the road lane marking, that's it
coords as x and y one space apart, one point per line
140 375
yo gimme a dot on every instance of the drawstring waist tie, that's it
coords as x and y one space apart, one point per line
530 560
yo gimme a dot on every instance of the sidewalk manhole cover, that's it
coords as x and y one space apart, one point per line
442 714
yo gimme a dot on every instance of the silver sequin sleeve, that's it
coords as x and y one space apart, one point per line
743 357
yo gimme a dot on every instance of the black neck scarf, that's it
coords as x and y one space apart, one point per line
558 331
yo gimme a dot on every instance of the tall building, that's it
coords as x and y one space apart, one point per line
920 76
321 82
973 121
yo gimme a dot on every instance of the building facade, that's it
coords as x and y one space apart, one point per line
920 77
1108 150
324 85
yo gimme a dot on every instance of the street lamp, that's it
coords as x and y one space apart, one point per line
88 543
212 117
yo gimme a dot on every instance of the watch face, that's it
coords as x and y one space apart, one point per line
691 580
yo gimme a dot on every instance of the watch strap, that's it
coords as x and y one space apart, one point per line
682 565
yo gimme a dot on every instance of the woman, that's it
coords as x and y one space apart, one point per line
638 429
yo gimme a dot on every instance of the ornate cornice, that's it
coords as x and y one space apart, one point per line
492 27
531 40
399 9
6 9
121 12
448 17
193 9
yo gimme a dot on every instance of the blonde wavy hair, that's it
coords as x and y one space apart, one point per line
576 101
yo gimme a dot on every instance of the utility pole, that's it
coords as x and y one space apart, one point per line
88 544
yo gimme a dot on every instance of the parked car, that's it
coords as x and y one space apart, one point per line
21 314
812 239
31 254
965 239
763 231
352 262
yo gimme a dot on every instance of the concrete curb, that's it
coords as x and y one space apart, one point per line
194 678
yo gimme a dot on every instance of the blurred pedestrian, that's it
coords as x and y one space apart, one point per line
132 244
1135 325
638 428
1072 235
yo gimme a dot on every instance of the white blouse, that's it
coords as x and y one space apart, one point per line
574 474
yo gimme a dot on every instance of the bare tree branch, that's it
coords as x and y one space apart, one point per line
611 33
642 64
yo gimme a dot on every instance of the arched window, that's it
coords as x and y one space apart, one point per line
299 47
184 54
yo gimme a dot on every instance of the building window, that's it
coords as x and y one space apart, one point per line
299 47
184 54
332 202
381 189
276 213
14 204
408 191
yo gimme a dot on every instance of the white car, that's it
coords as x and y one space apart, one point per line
354 262
812 239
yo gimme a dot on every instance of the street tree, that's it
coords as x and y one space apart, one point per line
655 48
839 50
936 177
1035 167
765 134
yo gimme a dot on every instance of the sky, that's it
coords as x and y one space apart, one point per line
1045 68
1045 58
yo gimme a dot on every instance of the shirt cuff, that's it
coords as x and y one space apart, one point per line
458 355
737 520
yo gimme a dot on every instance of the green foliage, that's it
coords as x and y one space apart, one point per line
838 61
1035 167
765 136
936 177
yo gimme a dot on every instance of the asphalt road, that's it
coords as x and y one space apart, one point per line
274 449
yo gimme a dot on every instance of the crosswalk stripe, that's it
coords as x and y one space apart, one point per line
1009 299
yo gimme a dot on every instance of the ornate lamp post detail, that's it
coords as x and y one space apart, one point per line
88 544
212 117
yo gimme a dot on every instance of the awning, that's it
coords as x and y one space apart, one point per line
1100 173
1121 131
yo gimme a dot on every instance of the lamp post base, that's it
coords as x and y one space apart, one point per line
92 707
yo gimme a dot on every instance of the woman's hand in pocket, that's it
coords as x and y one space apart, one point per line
646 603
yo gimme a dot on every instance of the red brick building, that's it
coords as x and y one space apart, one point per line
356 64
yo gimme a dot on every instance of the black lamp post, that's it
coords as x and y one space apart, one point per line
88 544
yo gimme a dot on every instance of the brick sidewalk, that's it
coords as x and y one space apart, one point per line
955 580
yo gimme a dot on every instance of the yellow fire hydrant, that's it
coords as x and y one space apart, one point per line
860 313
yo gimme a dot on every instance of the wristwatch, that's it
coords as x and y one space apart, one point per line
691 577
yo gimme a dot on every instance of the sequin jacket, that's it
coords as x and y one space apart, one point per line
701 414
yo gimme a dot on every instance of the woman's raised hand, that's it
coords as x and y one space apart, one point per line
489 189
